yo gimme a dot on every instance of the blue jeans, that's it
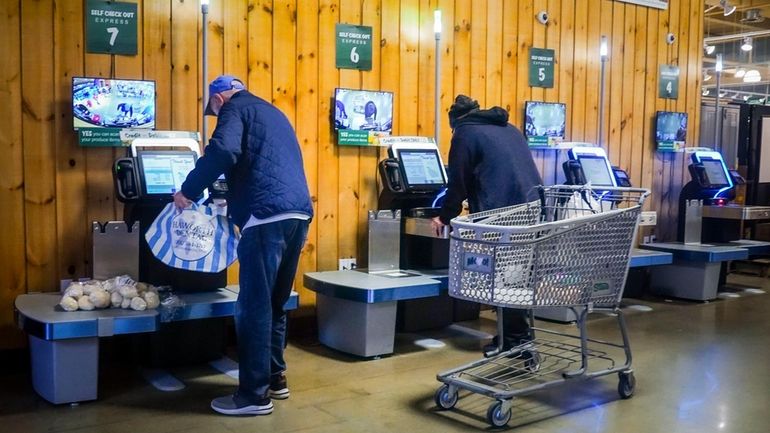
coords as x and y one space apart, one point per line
268 255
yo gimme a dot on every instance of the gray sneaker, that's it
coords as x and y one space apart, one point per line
231 405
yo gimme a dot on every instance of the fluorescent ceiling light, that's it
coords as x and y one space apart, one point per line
752 76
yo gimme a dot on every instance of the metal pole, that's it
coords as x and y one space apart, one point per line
718 120
204 67
437 98
603 53
601 101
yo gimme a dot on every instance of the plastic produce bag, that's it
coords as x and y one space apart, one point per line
199 238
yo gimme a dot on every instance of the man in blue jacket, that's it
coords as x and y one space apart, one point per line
491 166
255 147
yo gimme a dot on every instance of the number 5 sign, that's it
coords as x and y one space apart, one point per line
354 47
541 67
110 27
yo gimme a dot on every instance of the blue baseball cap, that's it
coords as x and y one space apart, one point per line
221 84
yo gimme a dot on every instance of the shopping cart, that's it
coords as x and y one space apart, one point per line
569 249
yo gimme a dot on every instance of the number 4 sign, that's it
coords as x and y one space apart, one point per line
111 27
669 82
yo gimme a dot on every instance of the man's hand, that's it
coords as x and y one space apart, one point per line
438 226
180 201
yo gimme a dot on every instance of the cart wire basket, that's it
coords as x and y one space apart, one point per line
569 249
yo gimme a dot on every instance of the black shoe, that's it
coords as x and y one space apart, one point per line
279 389
492 347
231 405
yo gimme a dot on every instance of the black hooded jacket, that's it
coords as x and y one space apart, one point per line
490 164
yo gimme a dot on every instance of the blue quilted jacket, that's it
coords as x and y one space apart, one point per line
256 148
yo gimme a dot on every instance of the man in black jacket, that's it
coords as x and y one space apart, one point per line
491 166
255 146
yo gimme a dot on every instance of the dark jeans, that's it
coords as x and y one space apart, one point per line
515 327
268 255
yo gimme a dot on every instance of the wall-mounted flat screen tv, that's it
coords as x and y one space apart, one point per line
670 130
545 123
113 103
363 110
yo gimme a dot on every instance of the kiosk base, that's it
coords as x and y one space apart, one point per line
356 327
698 281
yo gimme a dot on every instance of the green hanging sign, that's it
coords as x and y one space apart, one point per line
111 27
541 67
354 47
668 84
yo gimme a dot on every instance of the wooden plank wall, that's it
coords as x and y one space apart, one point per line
50 189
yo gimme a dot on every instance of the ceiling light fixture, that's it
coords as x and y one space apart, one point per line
747 44
739 73
709 49
752 76
706 75
705 92
728 8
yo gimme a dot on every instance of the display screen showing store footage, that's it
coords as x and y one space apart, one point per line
106 103
421 168
545 119
363 110
670 126
163 172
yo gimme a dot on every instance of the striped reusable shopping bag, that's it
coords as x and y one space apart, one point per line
199 238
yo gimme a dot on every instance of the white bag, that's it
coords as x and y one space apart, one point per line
199 238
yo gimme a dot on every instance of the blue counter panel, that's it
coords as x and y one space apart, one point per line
699 253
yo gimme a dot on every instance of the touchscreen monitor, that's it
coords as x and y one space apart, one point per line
715 173
596 170
163 172
421 168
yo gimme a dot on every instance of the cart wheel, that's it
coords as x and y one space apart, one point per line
444 399
626 384
532 360
495 415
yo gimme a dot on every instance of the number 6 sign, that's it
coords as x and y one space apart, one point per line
354 47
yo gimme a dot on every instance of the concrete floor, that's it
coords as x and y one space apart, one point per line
700 367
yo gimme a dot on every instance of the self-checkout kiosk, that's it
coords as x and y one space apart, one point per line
589 165
709 231
145 181
707 213
401 238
